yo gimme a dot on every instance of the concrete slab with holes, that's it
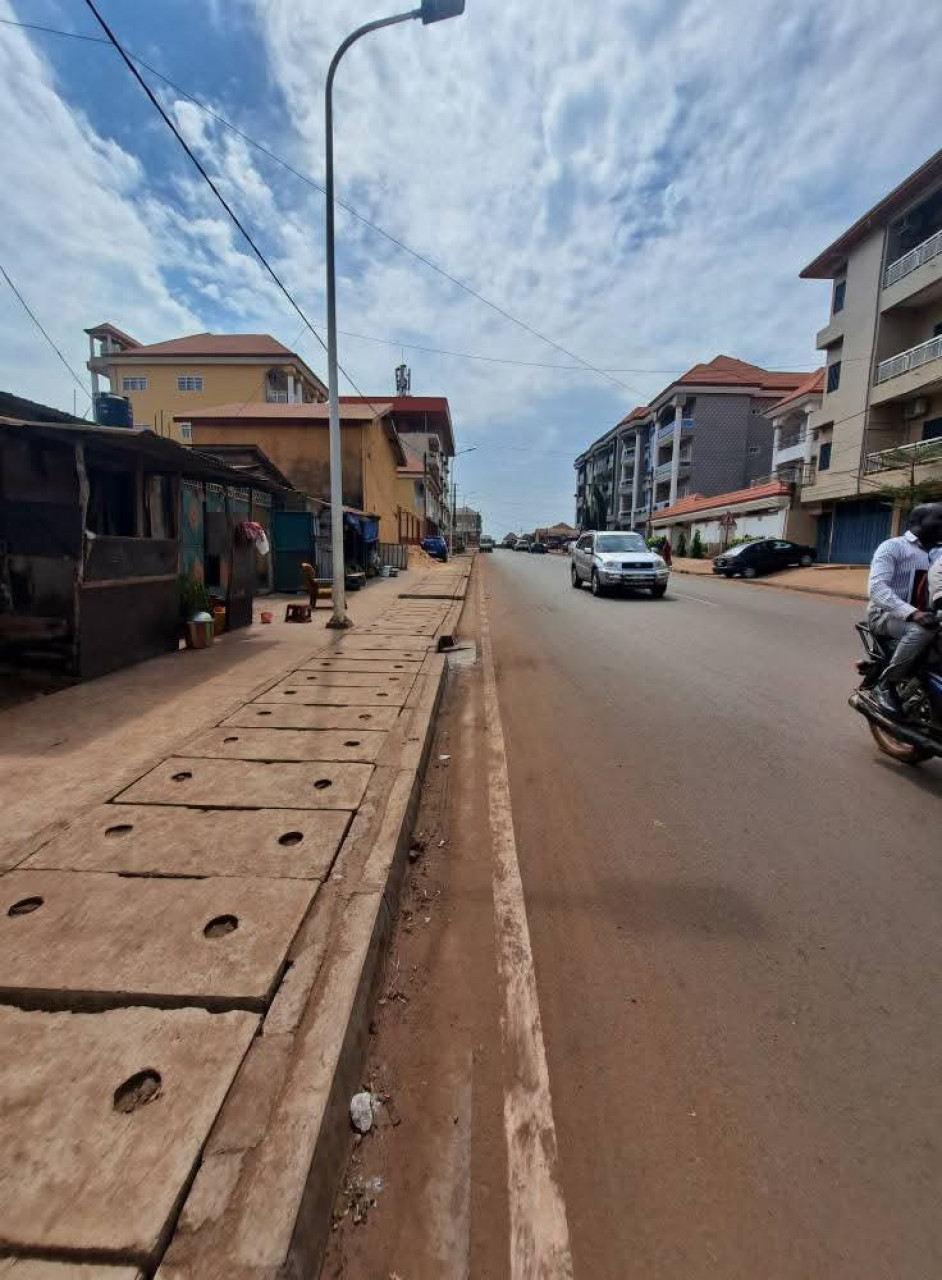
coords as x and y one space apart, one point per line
287 744
380 645
250 784
354 663
317 695
348 679
303 717
164 840
102 1120
92 941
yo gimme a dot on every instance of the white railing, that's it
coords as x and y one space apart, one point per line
924 252
903 456
276 397
906 361
660 506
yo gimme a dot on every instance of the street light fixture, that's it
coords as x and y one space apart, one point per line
430 11
454 500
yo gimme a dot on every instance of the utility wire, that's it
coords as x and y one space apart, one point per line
112 39
571 355
374 226
26 307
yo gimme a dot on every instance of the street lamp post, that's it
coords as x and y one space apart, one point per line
454 500
429 11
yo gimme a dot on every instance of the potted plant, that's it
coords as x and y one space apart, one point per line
195 615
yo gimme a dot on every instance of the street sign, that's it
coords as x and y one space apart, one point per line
727 520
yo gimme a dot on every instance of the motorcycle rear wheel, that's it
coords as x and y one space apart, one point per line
903 752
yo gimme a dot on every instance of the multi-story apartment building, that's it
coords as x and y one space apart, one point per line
164 380
468 526
424 423
879 426
708 432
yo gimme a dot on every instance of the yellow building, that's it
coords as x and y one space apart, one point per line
169 379
295 438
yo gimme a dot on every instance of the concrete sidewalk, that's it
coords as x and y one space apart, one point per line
192 918
846 581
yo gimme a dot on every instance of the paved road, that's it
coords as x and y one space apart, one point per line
735 908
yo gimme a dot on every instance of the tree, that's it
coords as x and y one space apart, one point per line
682 543
696 547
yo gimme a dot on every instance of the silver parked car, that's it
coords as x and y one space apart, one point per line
610 560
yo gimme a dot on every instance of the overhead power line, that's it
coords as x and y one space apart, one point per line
112 39
420 257
32 315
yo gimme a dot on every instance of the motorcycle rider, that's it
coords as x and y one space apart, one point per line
900 606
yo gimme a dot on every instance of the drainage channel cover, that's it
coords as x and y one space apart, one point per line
102 1119
88 941
250 784
332 695
163 840
286 716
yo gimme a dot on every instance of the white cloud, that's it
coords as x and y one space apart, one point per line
642 182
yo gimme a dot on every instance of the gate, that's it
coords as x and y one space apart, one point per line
858 529
294 541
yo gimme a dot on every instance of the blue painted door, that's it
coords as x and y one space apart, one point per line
859 527
294 541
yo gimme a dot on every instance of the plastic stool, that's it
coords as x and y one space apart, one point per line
298 613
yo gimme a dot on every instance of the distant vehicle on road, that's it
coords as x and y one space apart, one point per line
436 546
486 544
537 548
763 556
609 561
522 545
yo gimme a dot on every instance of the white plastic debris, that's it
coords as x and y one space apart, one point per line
361 1112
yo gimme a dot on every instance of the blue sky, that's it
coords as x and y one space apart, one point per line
641 182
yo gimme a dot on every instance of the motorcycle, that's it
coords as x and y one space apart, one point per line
918 735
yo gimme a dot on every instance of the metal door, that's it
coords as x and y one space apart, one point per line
294 542
859 527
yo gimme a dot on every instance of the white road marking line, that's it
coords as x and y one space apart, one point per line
683 595
539 1230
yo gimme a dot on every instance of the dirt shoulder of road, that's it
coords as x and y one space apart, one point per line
848 582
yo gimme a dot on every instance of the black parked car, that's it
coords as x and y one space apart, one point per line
762 556
537 548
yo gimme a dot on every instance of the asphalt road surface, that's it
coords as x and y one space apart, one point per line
734 908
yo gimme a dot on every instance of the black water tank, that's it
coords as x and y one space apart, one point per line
112 411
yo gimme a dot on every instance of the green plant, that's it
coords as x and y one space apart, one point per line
738 542
653 541
194 598
696 547
682 544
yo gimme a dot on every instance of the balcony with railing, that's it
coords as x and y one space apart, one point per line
663 472
910 262
903 457
791 447
911 360
667 430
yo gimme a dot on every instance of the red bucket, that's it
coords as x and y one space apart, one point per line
267 617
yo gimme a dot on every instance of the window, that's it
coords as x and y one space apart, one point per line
932 429
840 288
753 451
824 457
834 376
190 382
133 384
186 432
937 330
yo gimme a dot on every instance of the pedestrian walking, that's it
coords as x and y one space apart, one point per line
666 552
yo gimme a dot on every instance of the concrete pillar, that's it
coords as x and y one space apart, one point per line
636 476
776 441
675 456
291 399
809 435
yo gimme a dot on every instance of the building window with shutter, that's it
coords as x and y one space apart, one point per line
834 376
133 384
824 457
840 288
190 382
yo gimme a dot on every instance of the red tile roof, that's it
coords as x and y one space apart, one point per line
217 344
813 384
408 410
723 371
722 501
636 415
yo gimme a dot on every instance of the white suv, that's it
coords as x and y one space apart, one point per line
607 560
